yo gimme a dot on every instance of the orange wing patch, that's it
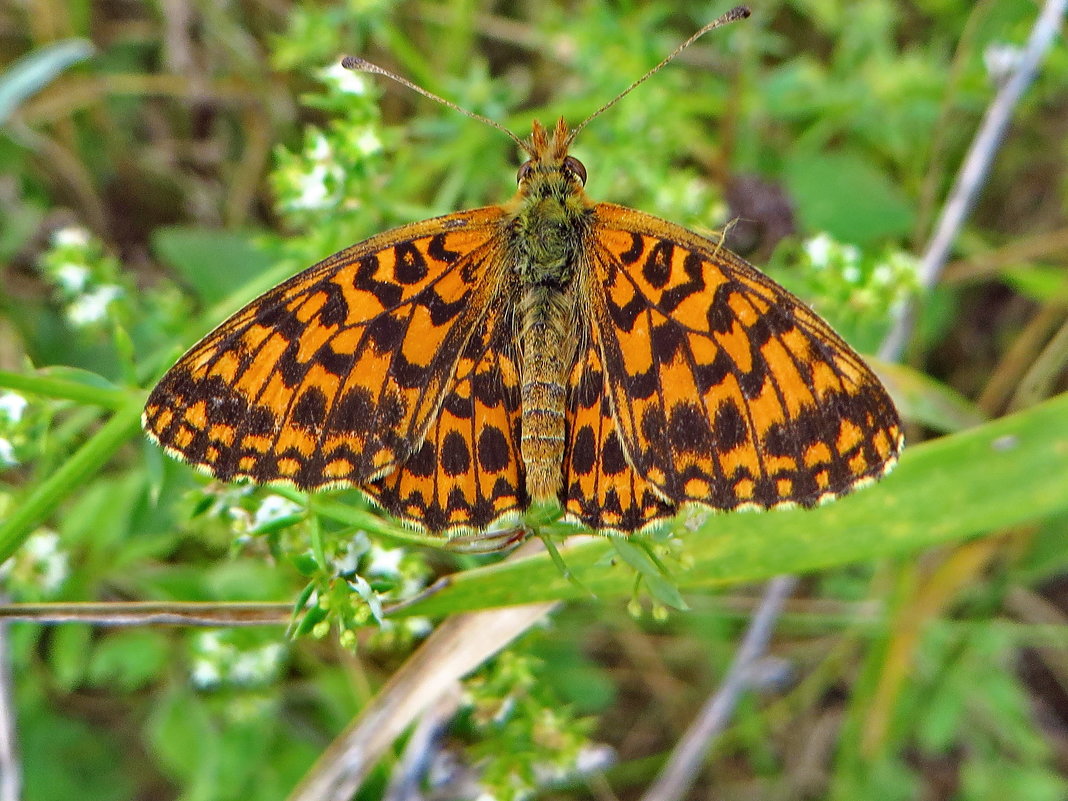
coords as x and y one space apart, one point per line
468 476
726 390
318 383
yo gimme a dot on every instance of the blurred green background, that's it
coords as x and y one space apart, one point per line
162 163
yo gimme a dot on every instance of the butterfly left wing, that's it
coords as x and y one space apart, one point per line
334 377
725 390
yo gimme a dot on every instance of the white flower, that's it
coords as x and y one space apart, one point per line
72 276
42 549
350 82
346 561
882 275
818 249
209 642
313 191
360 586
320 149
92 307
256 667
385 561
7 453
368 142
274 507
205 674
12 405
71 236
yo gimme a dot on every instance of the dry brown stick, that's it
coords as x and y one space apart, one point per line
144 613
457 646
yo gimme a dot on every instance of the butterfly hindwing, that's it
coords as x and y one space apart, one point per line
601 489
726 390
468 475
333 377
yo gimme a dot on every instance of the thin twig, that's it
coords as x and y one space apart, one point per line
976 166
145 613
686 760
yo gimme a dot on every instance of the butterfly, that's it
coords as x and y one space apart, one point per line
552 349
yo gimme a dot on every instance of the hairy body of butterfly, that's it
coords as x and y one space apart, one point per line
550 349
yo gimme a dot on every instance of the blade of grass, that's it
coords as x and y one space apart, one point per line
35 508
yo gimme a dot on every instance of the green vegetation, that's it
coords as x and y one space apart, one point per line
194 155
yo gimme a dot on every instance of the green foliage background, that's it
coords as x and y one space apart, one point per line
207 151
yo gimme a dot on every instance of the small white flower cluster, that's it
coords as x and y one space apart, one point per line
39 568
823 252
316 187
874 283
218 661
347 82
315 179
274 508
78 267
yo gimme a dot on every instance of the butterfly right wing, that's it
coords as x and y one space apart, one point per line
334 377
723 389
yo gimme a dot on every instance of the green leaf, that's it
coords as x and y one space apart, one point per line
129 659
659 584
922 399
846 196
215 263
43 498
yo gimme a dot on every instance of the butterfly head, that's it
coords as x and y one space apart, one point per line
550 171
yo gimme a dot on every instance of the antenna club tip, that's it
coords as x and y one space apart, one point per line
739 12
354 63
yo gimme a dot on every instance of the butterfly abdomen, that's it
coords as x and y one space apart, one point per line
548 349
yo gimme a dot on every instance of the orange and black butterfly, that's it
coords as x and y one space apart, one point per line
551 349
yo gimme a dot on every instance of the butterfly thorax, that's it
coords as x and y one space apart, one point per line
550 214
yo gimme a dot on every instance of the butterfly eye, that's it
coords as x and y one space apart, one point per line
576 168
524 172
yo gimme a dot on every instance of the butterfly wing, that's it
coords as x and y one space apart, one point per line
724 389
468 475
601 489
334 377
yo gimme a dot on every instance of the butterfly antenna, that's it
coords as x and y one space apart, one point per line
358 64
737 13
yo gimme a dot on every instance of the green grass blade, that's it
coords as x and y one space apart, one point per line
35 508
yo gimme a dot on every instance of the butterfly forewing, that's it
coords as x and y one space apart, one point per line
726 390
333 377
